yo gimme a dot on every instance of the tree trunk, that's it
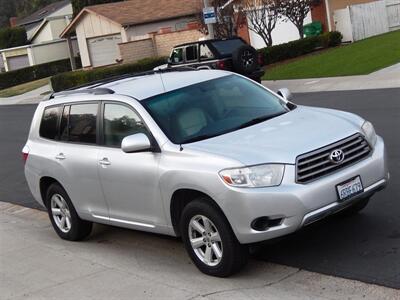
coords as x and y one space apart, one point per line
301 30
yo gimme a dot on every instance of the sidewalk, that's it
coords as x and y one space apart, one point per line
34 96
122 264
385 78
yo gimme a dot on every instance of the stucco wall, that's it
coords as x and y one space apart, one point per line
50 52
141 30
51 30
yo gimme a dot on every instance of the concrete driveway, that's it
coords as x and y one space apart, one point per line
125 264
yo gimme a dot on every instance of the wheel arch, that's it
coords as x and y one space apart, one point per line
44 183
180 198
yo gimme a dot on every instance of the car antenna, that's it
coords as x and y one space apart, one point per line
180 147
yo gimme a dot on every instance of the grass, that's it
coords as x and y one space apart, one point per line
24 88
359 58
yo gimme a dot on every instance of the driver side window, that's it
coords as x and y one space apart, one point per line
177 55
120 121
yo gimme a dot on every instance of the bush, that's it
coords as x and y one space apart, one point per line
12 37
300 47
20 76
68 80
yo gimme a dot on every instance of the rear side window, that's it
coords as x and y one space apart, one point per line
191 53
79 123
205 52
48 127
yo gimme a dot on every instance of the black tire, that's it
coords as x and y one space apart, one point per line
79 229
234 255
245 60
355 208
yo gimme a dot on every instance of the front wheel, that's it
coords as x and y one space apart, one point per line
210 241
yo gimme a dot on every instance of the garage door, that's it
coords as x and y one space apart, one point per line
104 50
17 62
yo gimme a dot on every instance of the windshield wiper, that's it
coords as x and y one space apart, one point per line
259 120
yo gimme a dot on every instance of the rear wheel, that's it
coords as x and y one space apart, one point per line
355 208
63 216
210 241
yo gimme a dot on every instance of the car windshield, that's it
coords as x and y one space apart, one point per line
212 108
226 47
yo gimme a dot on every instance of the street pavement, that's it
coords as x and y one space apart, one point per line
124 264
365 247
31 97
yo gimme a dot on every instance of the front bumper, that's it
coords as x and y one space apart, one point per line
299 204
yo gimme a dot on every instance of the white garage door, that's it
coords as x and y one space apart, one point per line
17 62
104 50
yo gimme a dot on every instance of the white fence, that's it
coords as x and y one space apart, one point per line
357 22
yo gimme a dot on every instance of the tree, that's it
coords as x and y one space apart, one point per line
296 11
262 16
12 37
78 5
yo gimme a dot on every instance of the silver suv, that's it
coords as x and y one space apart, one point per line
207 155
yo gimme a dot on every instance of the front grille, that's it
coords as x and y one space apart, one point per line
313 165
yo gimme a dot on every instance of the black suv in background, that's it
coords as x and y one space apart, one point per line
224 54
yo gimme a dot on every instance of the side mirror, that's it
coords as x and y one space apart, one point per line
138 142
285 94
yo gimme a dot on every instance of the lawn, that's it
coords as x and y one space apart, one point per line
23 88
358 58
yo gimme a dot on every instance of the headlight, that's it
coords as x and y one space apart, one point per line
369 132
255 176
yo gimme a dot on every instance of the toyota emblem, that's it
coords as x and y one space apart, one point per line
336 156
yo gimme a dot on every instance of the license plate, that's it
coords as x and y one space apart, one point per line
350 188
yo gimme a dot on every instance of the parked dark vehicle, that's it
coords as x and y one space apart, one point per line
224 54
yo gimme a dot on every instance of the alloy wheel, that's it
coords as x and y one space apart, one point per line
205 240
61 213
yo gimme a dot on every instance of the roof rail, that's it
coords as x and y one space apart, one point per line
95 91
96 83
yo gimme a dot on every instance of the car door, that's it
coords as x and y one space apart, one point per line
77 152
129 180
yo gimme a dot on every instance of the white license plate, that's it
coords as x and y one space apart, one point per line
350 188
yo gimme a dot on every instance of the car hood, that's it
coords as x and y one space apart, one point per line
282 139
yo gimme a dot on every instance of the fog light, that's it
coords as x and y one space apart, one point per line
264 223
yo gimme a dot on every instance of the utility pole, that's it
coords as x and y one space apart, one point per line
210 27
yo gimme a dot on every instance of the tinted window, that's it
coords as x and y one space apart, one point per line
212 108
177 55
64 124
191 53
82 123
120 121
205 52
228 46
48 127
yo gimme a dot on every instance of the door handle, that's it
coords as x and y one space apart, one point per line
60 156
105 162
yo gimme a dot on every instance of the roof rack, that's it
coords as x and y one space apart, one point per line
94 91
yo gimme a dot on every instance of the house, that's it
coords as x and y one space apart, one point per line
130 30
43 29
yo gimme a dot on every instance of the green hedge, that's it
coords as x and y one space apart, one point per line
68 80
12 37
300 47
8 79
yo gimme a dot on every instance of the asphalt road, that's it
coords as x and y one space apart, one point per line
365 247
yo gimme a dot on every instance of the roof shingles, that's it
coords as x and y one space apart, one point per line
135 12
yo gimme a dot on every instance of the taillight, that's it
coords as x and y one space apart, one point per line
221 65
25 154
